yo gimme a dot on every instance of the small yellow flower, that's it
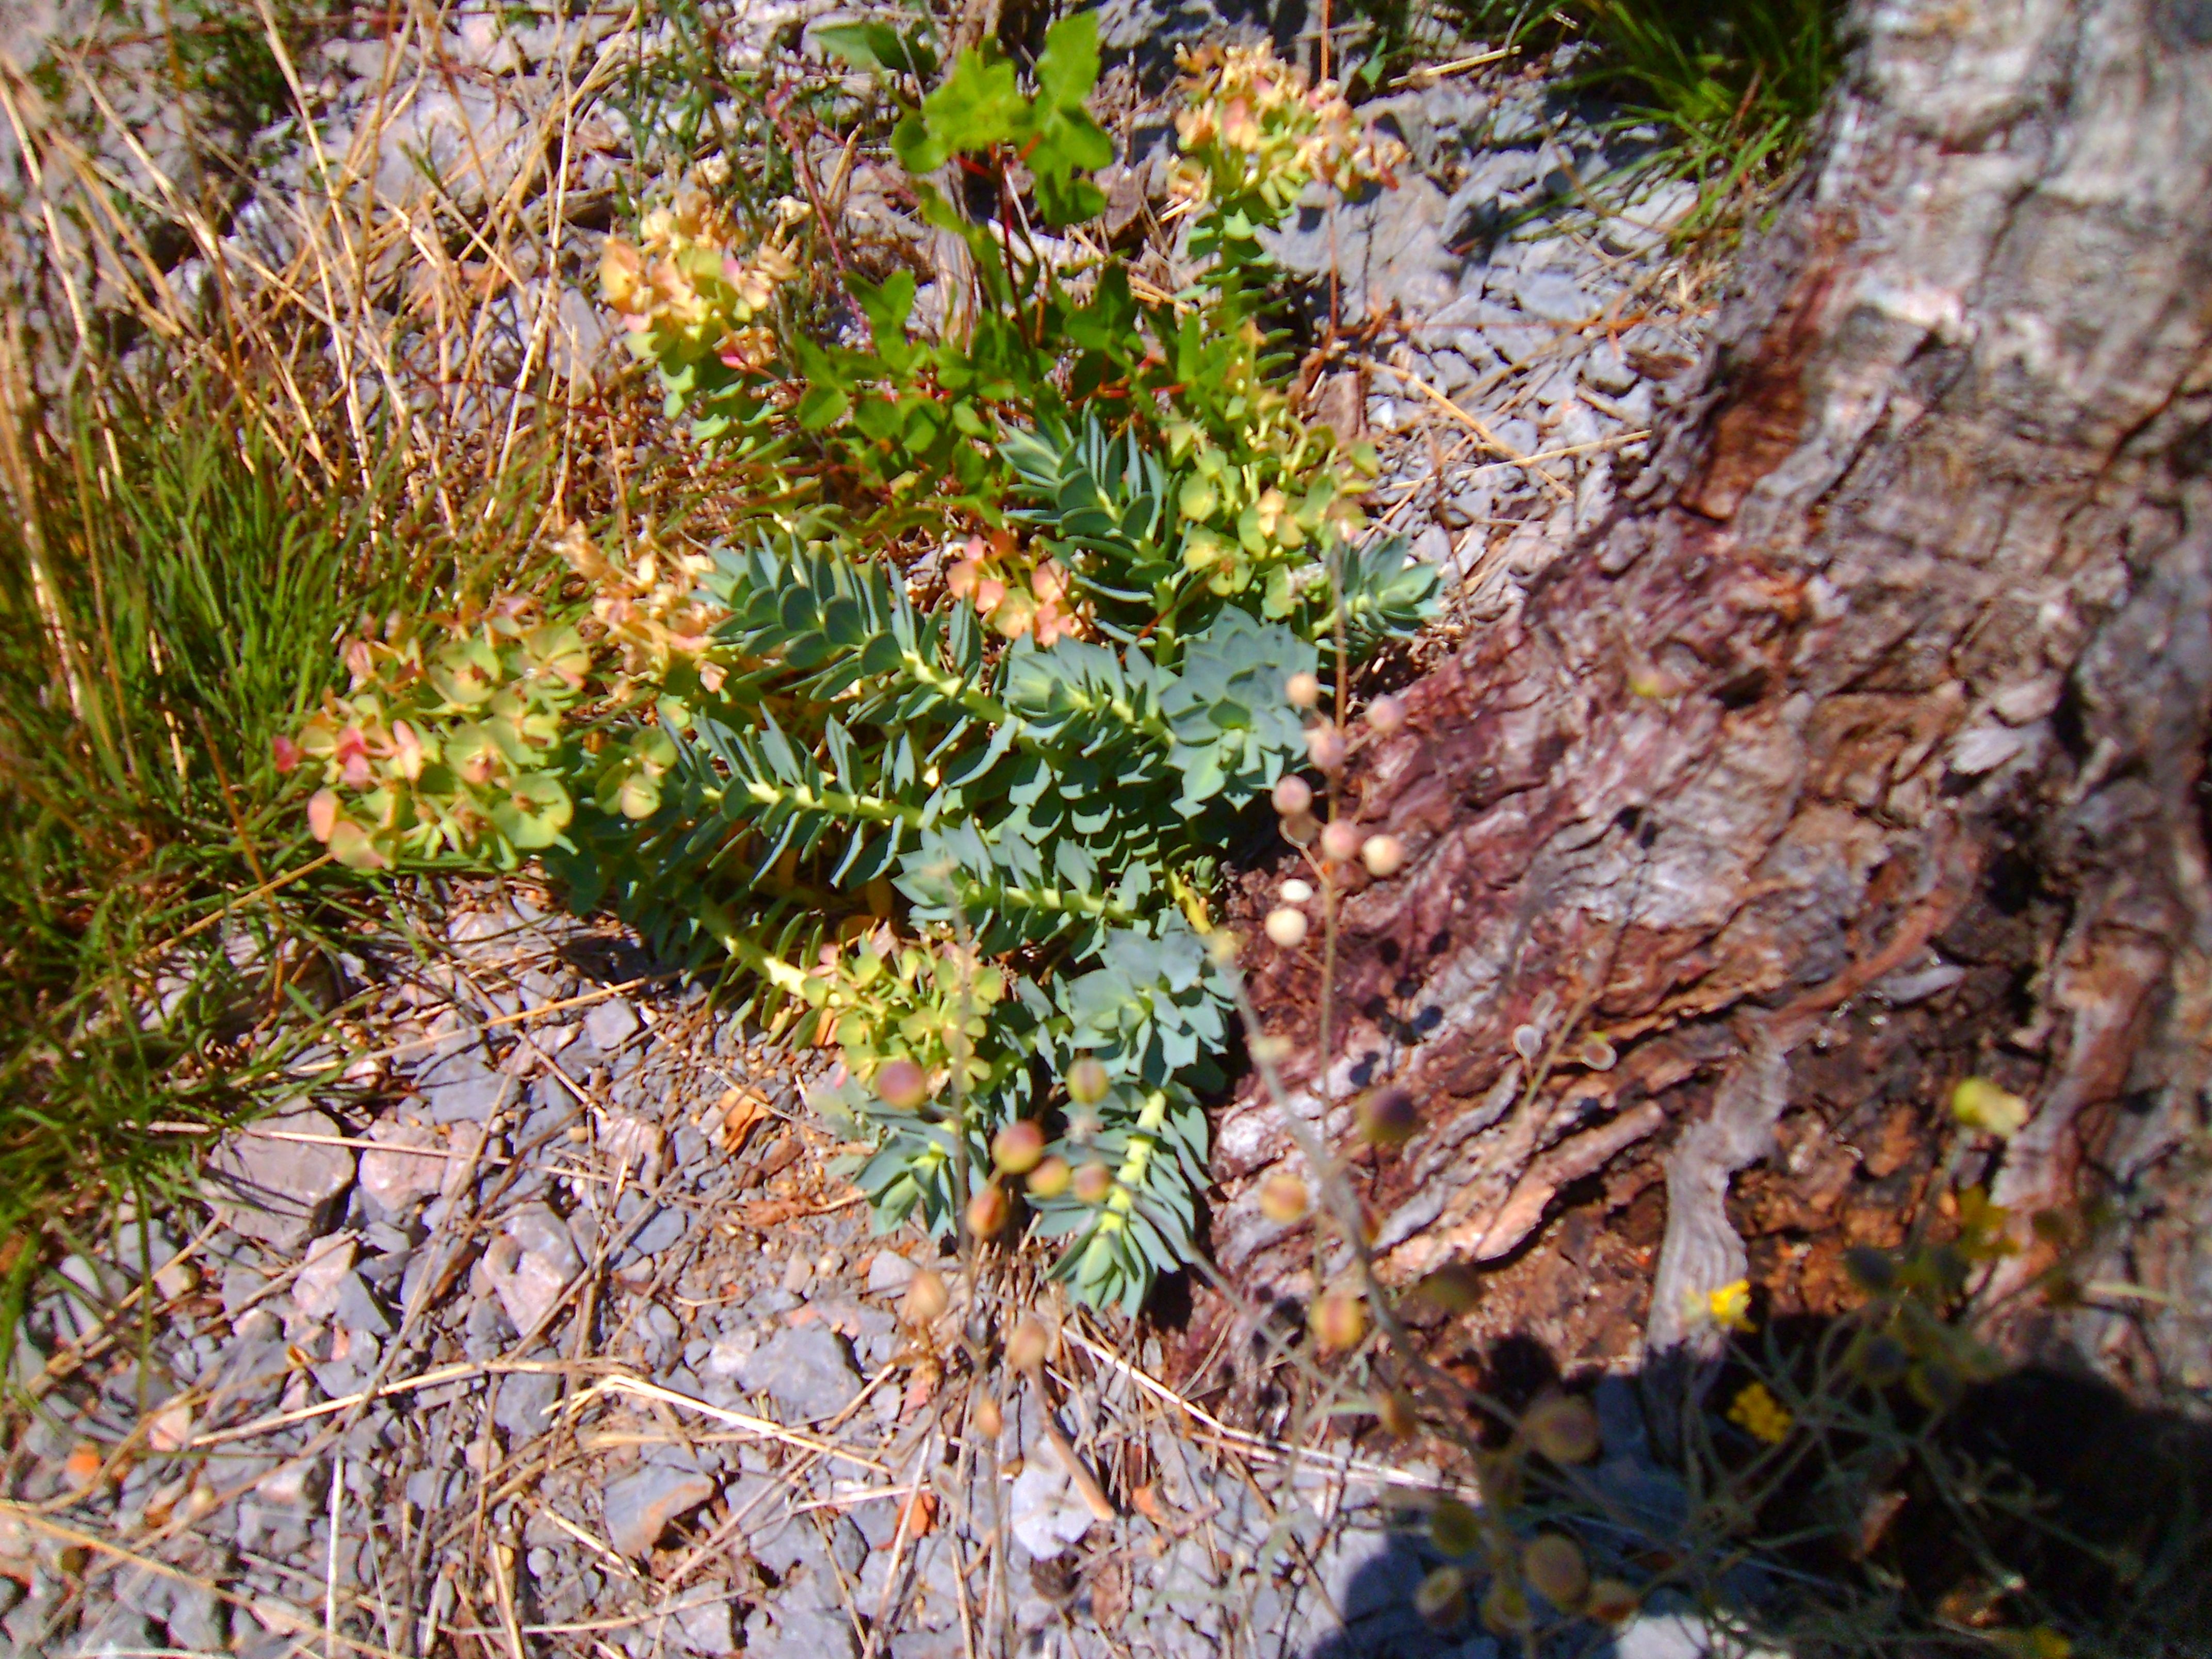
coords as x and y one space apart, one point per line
1978 1104
1729 1307
1757 1412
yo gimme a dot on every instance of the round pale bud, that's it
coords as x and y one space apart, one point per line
1612 1601
1027 1345
1385 714
1441 1599
990 1421
1286 927
1388 1116
901 1085
987 1211
1087 1081
1505 1609
1094 1184
1292 796
1303 690
926 1299
1454 1527
1454 1287
1284 1198
1295 891
1325 747
1018 1148
1394 1412
1383 855
1563 1427
1555 1569
1599 1054
1300 829
1050 1178
1340 842
1339 1320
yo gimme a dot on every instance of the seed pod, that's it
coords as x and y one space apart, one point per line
1454 1287
1599 1054
1325 747
1303 690
1563 1427
926 1300
1340 842
1301 828
1385 714
1505 1610
1284 1199
1611 1602
1388 1116
1050 1178
1018 1148
1094 1184
1285 927
1383 855
990 1421
1555 1569
1087 1081
1454 1527
1441 1599
987 1211
1395 1412
1339 1320
1027 1345
1292 796
901 1084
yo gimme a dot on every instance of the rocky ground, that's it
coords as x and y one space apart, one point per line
552 1327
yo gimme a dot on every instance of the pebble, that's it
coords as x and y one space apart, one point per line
804 1369
395 1179
642 1505
889 1273
280 1192
611 1023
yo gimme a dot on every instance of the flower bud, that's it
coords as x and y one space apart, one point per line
1339 1320
1340 842
1284 1199
1300 829
1027 1345
926 1300
1018 1148
1598 1054
1286 927
1383 855
901 1085
1087 1081
1505 1609
1385 714
1395 1412
1094 1184
1050 1178
1454 1527
1611 1602
1555 1569
990 1421
1441 1599
1325 747
1292 796
987 1211
1295 891
1978 1104
1388 1116
1303 690
1563 1427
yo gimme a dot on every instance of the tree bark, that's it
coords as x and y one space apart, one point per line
1863 751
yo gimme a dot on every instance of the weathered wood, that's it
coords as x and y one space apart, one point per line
1895 675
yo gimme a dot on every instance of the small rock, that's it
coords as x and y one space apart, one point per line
628 1140
611 1023
665 1228
799 1633
1607 368
1554 296
889 1273
356 1309
329 1263
704 1627
280 1192
804 1370
640 1505
463 1089
525 1399
400 1178
1047 1515
530 1263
